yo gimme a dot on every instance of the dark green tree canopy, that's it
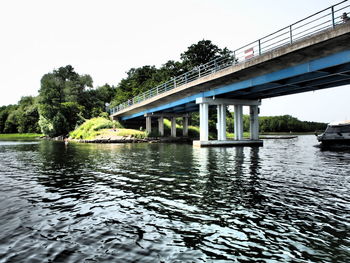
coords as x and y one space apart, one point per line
203 52
141 79
60 98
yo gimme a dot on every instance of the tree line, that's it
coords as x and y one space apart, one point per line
66 99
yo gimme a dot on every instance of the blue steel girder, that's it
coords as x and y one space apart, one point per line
325 86
313 84
290 79
299 81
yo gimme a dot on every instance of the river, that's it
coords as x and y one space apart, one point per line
288 201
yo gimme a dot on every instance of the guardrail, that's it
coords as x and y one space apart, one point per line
320 21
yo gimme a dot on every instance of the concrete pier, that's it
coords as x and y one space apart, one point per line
161 125
221 122
172 117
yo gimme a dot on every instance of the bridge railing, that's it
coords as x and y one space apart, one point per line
313 24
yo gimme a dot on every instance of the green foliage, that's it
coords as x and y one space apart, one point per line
95 101
203 52
90 127
22 117
153 134
4 113
60 98
19 136
141 79
71 112
28 120
287 123
193 132
132 133
46 126
103 127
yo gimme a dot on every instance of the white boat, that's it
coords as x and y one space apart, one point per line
336 133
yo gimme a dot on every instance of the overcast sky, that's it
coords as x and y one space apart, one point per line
105 38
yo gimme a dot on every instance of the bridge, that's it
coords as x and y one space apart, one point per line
308 55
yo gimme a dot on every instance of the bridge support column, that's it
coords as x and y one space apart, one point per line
221 125
148 124
218 124
203 122
173 126
223 122
161 125
185 126
238 122
254 122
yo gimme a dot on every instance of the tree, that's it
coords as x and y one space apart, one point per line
28 115
137 81
4 113
141 79
11 124
203 52
60 95
95 101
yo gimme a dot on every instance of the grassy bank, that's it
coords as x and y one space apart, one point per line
101 128
18 136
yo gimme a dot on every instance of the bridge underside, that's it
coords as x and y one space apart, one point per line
326 72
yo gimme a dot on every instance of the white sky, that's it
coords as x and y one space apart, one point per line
105 38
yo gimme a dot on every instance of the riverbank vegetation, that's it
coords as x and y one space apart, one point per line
97 128
19 136
67 99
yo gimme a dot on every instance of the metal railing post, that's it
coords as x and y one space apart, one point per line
199 71
333 19
290 34
259 43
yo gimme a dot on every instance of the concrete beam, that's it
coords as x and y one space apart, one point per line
218 101
167 115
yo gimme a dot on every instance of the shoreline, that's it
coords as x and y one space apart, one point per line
127 139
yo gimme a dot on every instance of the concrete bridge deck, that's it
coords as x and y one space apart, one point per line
316 62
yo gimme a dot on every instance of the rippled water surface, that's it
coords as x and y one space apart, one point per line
285 202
